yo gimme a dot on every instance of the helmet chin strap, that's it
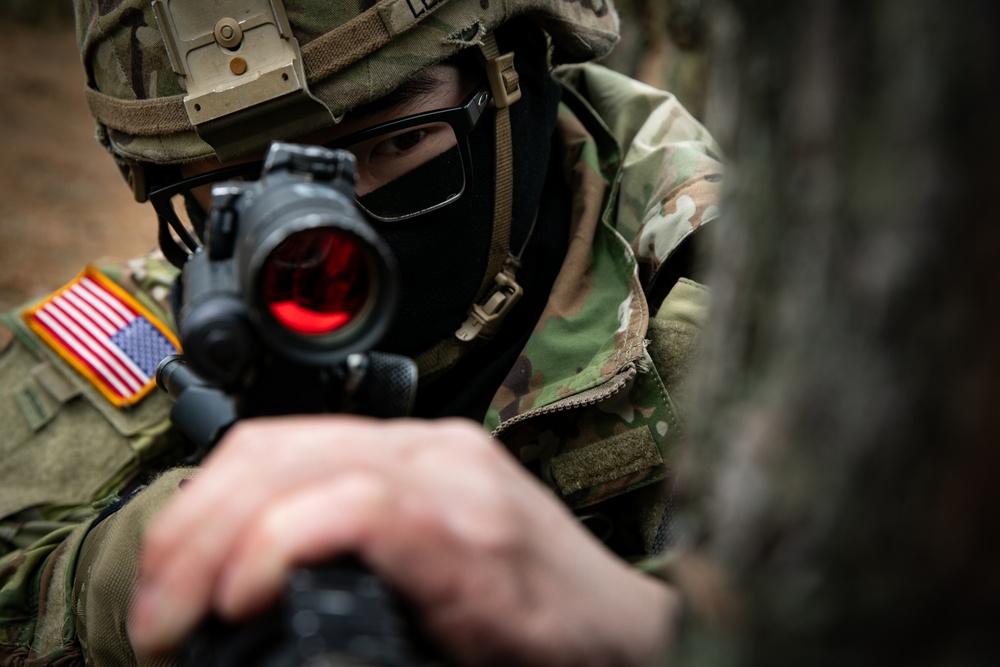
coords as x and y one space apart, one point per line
499 290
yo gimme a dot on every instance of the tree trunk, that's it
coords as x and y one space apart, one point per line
846 452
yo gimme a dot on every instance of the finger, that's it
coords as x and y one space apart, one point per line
259 462
253 451
308 527
162 615
186 546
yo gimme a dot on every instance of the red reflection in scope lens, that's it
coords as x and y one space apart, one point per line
316 281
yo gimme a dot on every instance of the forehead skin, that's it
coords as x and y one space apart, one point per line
437 87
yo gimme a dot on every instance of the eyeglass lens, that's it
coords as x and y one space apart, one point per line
408 171
401 173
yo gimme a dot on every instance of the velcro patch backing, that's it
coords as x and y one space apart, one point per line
621 455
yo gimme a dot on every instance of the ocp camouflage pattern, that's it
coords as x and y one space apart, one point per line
585 406
585 376
125 57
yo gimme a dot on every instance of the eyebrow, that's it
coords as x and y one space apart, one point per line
404 95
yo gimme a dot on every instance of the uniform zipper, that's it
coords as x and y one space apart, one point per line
583 399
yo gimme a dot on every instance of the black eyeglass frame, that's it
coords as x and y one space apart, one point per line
462 119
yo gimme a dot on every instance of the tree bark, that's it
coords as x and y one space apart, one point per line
841 482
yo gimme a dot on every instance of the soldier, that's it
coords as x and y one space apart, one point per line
511 542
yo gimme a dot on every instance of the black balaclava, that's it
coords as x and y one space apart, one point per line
442 255
539 189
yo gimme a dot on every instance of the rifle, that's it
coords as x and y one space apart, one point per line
278 314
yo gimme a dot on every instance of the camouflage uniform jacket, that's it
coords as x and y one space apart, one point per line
593 403
586 407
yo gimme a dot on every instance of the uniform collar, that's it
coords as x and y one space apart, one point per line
594 325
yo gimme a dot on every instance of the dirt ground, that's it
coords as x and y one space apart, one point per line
62 201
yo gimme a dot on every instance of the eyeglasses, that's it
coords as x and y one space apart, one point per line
406 167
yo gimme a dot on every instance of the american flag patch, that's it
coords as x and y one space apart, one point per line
105 334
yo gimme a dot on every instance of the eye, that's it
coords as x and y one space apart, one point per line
399 143
393 155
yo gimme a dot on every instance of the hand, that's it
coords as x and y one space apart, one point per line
498 570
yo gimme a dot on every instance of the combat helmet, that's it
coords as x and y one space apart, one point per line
175 81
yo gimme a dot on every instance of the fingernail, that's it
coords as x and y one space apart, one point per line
157 621
148 605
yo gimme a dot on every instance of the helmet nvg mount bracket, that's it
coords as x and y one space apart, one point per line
225 94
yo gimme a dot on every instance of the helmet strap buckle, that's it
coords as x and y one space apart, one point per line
484 318
498 295
504 81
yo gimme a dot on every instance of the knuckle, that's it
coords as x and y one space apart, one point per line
269 527
444 442
500 534
466 438
156 542
465 430
243 437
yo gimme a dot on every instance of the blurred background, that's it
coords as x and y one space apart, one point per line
62 201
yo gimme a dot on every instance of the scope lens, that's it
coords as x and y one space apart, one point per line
316 282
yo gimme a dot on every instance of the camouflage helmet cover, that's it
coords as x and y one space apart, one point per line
353 51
